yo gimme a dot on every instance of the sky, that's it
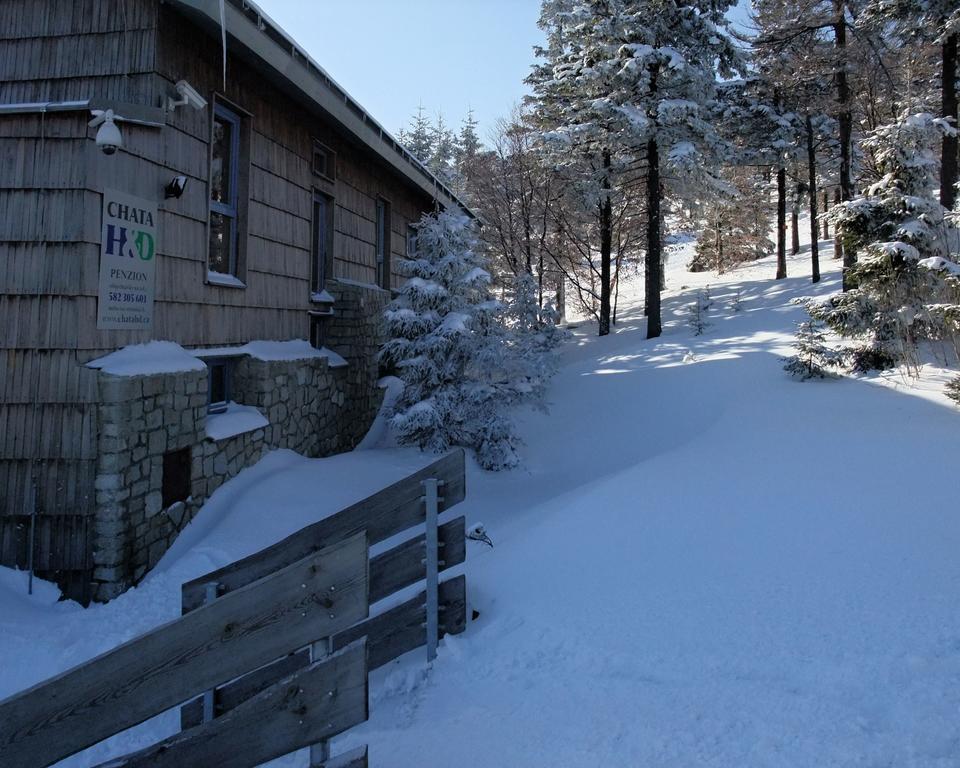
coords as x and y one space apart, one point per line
393 55
448 55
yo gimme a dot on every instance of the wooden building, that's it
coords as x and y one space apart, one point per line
254 201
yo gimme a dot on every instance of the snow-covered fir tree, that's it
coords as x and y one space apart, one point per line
815 358
627 81
418 139
534 337
462 366
904 285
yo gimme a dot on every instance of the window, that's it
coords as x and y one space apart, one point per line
321 246
220 375
383 243
411 241
224 191
175 485
324 161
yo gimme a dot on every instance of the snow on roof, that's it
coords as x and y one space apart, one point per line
146 359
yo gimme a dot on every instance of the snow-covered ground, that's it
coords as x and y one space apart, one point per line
702 563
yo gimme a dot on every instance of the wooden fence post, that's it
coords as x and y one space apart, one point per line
432 503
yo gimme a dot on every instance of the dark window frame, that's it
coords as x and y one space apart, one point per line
230 209
382 226
321 248
329 169
226 363
411 241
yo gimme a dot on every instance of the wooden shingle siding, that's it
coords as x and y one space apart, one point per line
50 202
125 52
53 18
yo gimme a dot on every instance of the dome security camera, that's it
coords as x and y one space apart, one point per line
108 136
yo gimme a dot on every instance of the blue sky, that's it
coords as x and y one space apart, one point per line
449 55
391 55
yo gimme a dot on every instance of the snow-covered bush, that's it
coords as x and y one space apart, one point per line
814 358
451 344
534 337
952 389
902 231
699 320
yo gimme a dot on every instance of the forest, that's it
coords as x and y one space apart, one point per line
651 120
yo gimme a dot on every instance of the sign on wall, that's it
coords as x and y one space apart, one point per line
128 258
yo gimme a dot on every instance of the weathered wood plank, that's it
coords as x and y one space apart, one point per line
401 629
355 758
390 571
403 565
315 703
238 691
389 635
239 632
382 515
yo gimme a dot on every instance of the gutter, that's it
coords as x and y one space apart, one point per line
134 114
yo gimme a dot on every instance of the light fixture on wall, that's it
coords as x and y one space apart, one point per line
175 187
188 96
108 137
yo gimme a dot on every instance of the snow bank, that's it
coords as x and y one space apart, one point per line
236 420
147 359
683 574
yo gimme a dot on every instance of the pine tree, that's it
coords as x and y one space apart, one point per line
449 342
814 358
734 223
937 22
625 81
906 269
442 150
419 139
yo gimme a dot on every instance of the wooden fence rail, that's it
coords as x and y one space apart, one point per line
390 634
248 642
252 626
385 514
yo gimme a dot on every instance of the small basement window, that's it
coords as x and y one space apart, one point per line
176 476
220 378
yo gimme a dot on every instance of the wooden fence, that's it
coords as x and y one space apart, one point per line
277 645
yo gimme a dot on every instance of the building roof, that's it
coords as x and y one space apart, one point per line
255 36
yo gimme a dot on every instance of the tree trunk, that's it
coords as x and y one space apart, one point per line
948 160
837 245
606 241
845 120
826 207
653 268
781 223
795 229
718 244
812 180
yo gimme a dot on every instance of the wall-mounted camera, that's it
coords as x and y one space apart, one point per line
188 97
108 137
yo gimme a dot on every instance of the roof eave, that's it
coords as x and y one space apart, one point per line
301 74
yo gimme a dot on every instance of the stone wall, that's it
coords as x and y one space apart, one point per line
316 406
141 418
356 331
